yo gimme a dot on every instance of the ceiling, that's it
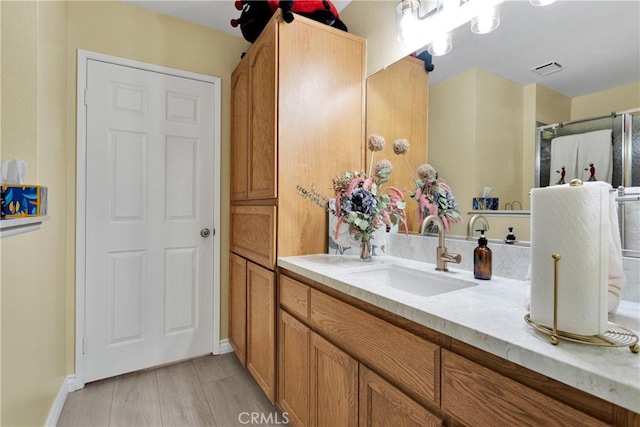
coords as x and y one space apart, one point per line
596 41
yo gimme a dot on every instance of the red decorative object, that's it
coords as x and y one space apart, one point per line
256 14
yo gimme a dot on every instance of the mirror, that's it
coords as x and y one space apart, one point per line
481 125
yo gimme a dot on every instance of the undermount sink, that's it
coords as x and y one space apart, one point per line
409 280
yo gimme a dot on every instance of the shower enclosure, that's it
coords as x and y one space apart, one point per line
625 153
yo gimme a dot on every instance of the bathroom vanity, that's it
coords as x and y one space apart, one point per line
357 347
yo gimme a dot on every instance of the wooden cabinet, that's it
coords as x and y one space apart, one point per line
253 104
321 384
381 404
412 362
252 302
334 385
239 131
477 396
344 362
298 119
238 306
261 325
294 339
261 173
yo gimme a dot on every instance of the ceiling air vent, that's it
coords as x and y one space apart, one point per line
548 68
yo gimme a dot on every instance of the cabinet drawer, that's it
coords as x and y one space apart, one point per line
295 297
253 231
478 396
406 360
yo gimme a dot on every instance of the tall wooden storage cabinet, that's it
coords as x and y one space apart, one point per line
298 119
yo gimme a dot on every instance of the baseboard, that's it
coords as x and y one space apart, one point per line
67 386
225 347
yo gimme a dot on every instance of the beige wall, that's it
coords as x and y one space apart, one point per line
475 140
452 146
551 106
605 102
126 31
33 264
383 47
481 132
39 47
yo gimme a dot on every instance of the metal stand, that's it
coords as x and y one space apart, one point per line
615 336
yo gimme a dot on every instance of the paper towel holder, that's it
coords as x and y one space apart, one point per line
615 336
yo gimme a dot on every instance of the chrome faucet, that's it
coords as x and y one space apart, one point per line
442 256
472 221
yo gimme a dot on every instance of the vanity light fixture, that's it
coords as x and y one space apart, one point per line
541 2
441 45
430 22
486 21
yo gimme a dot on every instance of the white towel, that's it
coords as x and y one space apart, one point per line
632 220
617 278
595 155
574 222
564 154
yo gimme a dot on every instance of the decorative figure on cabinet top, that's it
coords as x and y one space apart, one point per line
562 173
592 172
256 14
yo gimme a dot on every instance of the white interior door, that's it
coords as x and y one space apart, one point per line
149 200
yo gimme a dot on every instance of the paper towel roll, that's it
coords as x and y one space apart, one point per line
573 222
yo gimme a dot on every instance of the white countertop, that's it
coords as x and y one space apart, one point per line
490 316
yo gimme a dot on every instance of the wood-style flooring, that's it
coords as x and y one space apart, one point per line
209 391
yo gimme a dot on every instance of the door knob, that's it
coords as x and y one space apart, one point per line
205 232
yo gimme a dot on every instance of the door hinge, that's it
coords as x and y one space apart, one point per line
86 97
84 345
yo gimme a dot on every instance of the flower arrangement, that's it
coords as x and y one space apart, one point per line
434 195
362 201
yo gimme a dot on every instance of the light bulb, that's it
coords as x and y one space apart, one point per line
486 21
408 26
441 45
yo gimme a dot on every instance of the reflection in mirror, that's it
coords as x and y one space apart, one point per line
603 148
397 108
485 102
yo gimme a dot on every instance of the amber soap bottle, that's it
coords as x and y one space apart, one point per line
482 259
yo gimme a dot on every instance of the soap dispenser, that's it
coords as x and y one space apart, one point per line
482 259
511 238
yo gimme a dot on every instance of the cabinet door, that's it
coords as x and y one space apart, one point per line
238 306
240 130
334 385
478 396
293 369
262 122
381 404
261 334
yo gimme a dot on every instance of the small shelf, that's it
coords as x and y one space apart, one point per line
11 227
501 213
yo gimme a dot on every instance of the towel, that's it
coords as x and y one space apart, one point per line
574 222
564 155
632 220
616 277
595 158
